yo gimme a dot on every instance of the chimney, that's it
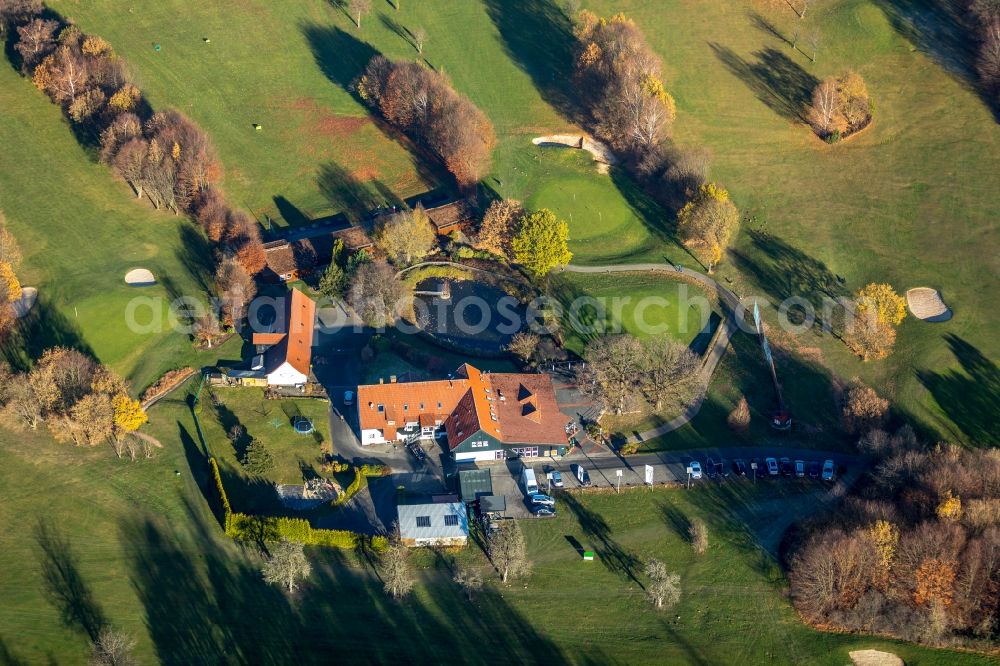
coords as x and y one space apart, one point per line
381 381
392 379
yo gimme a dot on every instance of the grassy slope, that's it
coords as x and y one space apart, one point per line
143 552
81 231
912 201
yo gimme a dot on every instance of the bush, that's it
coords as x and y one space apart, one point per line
375 470
166 382
360 480
629 448
833 137
221 506
271 528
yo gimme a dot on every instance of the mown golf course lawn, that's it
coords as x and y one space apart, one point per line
91 539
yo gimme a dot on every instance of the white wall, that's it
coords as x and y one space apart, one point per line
372 436
286 375
476 456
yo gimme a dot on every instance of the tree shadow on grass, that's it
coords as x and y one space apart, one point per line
195 254
538 36
207 603
614 556
776 80
398 29
764 25
64 585
346 193
42 328
944 31
782 272
970 397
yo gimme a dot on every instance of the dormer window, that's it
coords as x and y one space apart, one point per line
381 409
406 407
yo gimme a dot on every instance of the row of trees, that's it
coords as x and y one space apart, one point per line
163 156
840 107
628 107
422 103
10 286
79 400
622 372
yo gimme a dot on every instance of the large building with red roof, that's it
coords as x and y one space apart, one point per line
484 416
288 357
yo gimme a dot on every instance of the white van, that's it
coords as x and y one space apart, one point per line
528 481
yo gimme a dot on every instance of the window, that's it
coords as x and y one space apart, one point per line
421 406
439 405
381 408
451 521
406 407
423 521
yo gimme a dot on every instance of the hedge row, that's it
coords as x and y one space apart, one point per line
275 528
360 479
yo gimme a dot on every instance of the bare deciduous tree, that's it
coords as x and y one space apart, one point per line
507 550
523 345
419 35
358 9
663 588
863 409
670 372
377 295
614 364
470 580
236 290
698 534
113 648
395 571
286 566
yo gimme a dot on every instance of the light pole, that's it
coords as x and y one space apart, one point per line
753 466
618 473
688 470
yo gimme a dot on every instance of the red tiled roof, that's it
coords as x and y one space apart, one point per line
295 346
513 408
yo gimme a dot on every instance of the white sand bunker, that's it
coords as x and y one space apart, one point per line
139 277
600 151
874 658
23 305
926 303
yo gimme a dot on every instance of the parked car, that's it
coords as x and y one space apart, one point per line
417 452
739 467
800 469
721 468
772 467
710 468
829 470
814 469
536 499
581 475
695 469
348 398
557 481
786 467
541 510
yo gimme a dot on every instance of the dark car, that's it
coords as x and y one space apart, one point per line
786 467
582 475
541 510
417 452
814 469
739 467
710 468
722 468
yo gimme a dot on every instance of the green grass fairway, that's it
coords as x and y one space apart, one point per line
81 231
642 304
610 220
134 544
912 201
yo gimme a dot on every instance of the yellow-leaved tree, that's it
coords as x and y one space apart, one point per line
129 414
8 282
885 538
541 242
950 507
708 223
878 311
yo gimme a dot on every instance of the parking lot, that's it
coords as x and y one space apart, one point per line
668 468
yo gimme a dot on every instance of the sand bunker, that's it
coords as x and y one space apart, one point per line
139 277
23 305
874 658
926 303
600 152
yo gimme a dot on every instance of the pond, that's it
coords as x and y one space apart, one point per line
473 316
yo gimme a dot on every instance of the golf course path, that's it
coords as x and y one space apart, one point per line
720 341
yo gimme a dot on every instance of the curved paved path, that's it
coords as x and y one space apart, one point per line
715 351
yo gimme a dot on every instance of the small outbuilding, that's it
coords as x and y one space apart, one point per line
433 524
473 484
